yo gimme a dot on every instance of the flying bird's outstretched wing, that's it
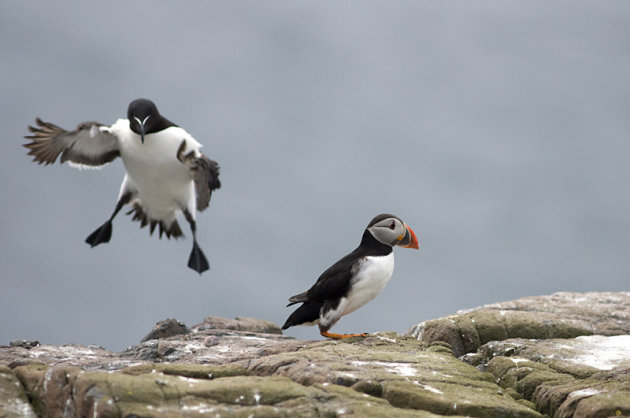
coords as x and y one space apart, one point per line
206 177
90 144
205 173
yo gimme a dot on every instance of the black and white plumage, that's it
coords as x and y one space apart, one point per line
355 279
166 172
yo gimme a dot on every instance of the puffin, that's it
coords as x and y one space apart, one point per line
166 173
355 279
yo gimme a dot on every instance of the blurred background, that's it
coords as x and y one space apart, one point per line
499 131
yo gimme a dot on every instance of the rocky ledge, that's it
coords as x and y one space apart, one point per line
561 355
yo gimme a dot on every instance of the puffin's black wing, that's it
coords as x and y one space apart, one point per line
332 283
90 144
205 173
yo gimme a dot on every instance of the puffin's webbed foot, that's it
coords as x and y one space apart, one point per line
341 336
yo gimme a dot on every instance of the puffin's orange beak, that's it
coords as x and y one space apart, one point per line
409 240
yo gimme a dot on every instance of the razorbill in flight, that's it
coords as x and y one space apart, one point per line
166 172
354 280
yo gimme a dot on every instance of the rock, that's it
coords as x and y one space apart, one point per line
246 367
13 400
583 376
382 375
220 347
24 343
86 357
189 370
401 370
144 351
560 315
238 324
167 328
243 372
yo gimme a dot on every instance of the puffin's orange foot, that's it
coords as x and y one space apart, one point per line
341 336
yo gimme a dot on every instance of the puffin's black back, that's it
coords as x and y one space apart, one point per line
334 283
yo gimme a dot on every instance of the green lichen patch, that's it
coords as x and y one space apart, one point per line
196 371
13 400
447 399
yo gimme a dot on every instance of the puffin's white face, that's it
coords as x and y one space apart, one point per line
392 231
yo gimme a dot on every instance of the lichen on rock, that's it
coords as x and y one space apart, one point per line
521 359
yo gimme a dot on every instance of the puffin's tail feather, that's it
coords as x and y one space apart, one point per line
308 312
302 297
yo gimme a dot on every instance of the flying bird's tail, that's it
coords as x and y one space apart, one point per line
172 230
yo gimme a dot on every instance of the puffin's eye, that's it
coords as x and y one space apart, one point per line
393 225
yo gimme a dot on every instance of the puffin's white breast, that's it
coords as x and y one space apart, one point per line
371 278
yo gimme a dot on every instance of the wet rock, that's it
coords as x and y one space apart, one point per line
560 315
167 328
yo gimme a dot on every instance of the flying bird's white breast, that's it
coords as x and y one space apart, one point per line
371 278
162 182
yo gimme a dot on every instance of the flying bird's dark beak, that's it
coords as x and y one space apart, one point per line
409 240
142 132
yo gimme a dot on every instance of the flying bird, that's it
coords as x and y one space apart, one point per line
355 279
166 172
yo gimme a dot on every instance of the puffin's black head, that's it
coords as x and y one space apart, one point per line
391 230
144 117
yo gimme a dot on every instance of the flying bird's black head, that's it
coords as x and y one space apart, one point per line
144 118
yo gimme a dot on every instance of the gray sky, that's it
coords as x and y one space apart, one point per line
497 130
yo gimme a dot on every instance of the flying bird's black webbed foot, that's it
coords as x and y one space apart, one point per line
197 260
101 235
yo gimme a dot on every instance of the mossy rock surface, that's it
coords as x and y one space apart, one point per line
583 376
384 375
560 315
526 358
14 402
